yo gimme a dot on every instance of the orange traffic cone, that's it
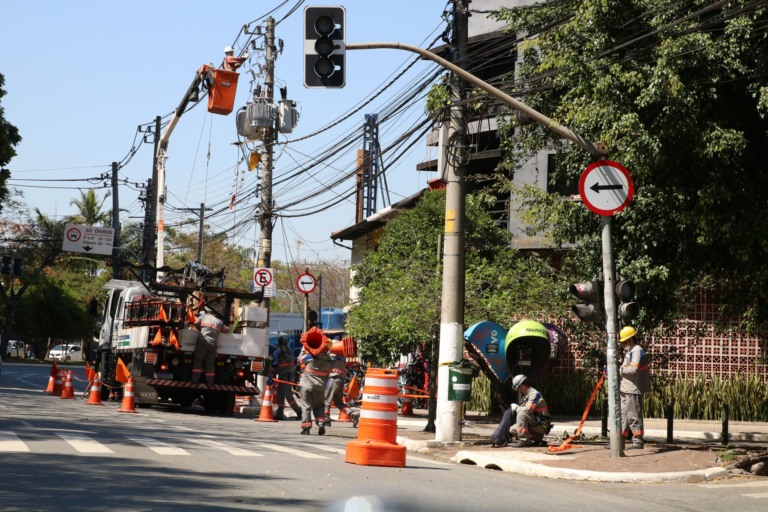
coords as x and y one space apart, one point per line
52 378
69 387
95 397
343 416
376 443
129 404
58 383
266 406
407 409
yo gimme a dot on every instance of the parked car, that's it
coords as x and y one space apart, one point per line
66 353
15 349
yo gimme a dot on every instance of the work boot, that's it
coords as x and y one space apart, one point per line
524 443
355 418
305 431
279 414
321 430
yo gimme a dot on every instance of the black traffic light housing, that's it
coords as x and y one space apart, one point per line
591 310
324 46
628 309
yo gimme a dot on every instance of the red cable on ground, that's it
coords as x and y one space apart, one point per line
566 445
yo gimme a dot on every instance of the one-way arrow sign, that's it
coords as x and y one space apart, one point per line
306 283
610 188
597 188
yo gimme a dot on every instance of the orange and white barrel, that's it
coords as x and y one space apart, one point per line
376 443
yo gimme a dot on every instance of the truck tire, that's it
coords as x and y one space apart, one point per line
227 408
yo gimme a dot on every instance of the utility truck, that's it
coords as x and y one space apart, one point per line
150 327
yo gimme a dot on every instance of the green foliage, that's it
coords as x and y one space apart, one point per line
9 138
401 281
90 209
678 93
701 398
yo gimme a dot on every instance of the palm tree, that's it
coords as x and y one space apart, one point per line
89 209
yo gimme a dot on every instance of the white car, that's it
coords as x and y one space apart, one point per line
66 353
15 349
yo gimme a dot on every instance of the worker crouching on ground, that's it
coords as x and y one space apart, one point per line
530 416
209 326
284 367
316 361
334 393
635 380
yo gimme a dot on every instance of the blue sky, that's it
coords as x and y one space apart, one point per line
81 76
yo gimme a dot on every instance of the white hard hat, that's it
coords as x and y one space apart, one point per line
229 49
518 380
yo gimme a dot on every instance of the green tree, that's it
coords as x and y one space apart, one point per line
9 138
89 209
38 242
401 281
679 92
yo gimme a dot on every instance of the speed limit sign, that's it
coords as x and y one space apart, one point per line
306 283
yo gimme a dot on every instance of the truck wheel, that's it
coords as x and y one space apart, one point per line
227 405
211 403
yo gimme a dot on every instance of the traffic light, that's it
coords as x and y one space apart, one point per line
591 294
324 46
628 310
18 267
5 268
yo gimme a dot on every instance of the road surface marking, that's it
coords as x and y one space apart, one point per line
10 442
230 449
83 443
292 451
159 447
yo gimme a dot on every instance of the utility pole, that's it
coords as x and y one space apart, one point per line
265 218
201 214
117 272
451 348
149 252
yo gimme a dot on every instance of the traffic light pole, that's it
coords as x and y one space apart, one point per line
451 324
598 149
609 297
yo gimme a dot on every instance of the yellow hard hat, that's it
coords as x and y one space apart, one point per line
627 333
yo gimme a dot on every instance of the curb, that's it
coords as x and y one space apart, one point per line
532 469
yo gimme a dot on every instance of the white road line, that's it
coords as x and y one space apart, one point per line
221 446
758 495
741 484
428 461
83 443
331 449
159 447
10 442
292 451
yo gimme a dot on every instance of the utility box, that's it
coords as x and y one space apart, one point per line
460 375
221 97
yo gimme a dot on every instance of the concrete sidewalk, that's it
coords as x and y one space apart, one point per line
691 457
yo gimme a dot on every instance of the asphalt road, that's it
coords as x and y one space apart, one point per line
64 455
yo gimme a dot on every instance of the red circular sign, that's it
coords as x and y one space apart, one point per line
306 283
605 187
262 277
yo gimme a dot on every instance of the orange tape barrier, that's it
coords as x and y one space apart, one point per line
566 445
285 382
